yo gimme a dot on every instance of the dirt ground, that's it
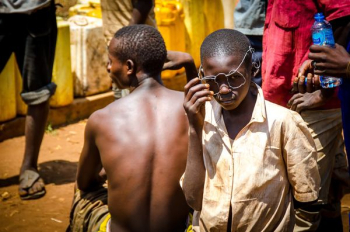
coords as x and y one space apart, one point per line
58 159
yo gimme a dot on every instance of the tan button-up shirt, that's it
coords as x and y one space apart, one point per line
271 158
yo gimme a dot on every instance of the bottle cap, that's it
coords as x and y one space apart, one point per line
319 17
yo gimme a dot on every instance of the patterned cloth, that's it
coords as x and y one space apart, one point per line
89 211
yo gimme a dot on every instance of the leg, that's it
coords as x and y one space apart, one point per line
307 219
326 128
34 132
331 218
36 62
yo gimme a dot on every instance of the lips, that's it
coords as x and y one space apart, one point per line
227 98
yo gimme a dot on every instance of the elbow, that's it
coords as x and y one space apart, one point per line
85 186
189 59
194 202
82 186
195 205
144 7
148 6
88 187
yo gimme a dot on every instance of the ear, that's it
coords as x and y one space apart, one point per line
254 71
130 66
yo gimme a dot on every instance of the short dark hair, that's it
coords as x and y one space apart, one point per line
144 45
226 42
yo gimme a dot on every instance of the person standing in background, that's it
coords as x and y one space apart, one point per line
29 29
336 62
286 41
249 18
121 13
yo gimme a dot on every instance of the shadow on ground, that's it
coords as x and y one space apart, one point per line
56 172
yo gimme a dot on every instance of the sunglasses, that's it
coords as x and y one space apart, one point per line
234 80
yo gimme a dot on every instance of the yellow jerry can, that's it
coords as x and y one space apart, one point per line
89 56
214 15
20 105
8 91
195 27
229 8
170 22
92 9
62 72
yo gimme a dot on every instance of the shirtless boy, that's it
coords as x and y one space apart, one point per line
140 141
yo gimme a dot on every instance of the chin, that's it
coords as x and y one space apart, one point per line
119 86
229 107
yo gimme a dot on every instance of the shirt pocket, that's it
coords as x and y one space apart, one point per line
285 14
284 22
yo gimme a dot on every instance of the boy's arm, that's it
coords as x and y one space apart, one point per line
196 94
90 166
300 156
176 60
140 11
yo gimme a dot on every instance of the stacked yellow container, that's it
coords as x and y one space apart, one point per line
8 91
92 9
201 18
214 15
62 71
20 105
195 27
170 22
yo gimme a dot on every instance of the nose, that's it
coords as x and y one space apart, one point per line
224 89
108 67
223 85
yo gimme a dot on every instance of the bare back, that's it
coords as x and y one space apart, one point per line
142 141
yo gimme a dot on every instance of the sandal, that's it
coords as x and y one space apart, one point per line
26 181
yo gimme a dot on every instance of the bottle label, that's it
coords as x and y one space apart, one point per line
323 38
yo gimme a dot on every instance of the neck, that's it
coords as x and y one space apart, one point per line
238 118
144 80
147 83
245 109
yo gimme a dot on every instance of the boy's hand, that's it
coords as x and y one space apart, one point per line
196 94
176 60
312 82
330 61
304 101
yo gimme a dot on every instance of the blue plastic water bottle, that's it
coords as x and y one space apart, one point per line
322 34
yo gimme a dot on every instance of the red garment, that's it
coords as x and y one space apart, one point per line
286 42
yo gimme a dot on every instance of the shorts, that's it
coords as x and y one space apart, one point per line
32 37
90 211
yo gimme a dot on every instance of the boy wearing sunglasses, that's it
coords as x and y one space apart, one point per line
247 157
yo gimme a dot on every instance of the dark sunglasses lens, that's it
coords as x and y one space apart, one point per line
236 80
213 86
